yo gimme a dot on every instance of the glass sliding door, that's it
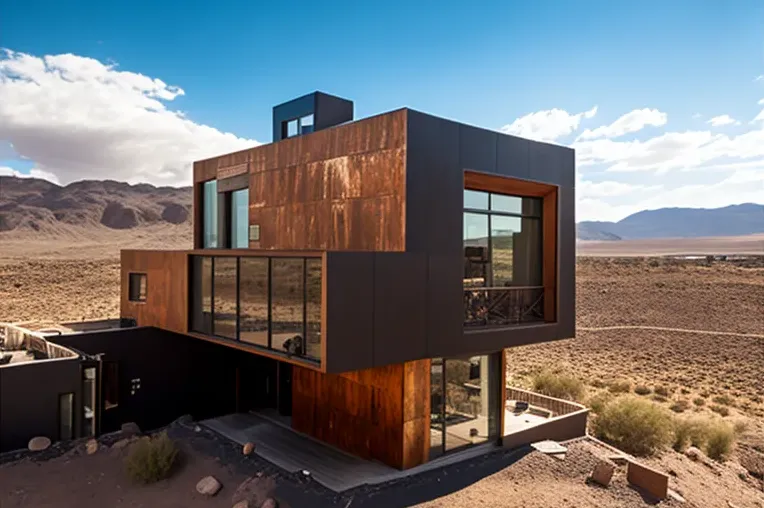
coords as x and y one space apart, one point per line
253 300
201 294
225 297
287 304
465 400
240 219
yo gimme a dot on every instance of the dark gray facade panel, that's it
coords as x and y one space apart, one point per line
434 204
513 156
567 261
552 164
331 110
29 398
349 333
295 108
477 149
400 298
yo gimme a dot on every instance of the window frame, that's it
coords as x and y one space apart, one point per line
131 295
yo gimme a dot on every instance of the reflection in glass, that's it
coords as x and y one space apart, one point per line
313 308
287 296
240 219
476 260
506 204
66 416
504 231
210 211
253 300
89 401
436 407
476 200
225 297
201 295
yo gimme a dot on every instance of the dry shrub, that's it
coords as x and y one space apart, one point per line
642 390
151 460
663 391
680 406
721 438
690 432
724 400
722 410
598 402
619 386
711 434
635 425
558 384
700 401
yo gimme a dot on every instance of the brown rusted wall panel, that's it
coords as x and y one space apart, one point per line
166 304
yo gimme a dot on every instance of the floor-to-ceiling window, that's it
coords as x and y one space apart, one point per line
240 219
502 257
210 212
465 402
270 302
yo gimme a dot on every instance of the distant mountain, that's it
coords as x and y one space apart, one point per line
735 220
30 204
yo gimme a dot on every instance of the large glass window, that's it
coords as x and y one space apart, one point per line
465 400
269 302
287 305
224 295
253 300
240 219
201 294
210 211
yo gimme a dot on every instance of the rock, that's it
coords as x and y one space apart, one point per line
603 473
186 420
197 428
122 443
676 496
242 504
255 490
248 448
695 454
208 486
91 446
269 503
130 429
38 444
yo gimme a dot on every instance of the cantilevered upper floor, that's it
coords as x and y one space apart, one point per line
388 239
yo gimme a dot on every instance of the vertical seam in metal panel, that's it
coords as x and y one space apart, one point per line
373 308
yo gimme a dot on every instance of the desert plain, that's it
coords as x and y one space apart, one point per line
687 334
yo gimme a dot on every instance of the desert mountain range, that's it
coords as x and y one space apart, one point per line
30 205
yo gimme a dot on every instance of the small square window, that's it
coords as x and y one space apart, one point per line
137 289
306 124
292 128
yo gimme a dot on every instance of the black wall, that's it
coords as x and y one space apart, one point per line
178 375
29 397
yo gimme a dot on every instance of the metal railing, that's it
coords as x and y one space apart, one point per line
497 306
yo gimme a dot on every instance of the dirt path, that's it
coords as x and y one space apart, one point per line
664 329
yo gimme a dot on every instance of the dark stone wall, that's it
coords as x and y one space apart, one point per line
29 398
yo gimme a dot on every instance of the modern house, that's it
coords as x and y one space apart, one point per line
358 280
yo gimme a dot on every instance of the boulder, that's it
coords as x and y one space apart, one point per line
255 490
91 446
270 503
695 454
130 429
38 444
603 473
242 504
248 448
208 486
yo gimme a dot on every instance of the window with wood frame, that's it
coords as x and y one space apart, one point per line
137 287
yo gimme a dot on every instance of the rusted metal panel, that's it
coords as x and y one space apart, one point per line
231 171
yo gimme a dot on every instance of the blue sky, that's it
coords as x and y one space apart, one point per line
574 65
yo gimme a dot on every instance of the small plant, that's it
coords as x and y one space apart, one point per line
621 386
558 384
635 425
724 400
680 406
642 390
722 410
684 391
659 398
151 459
700 401
721 438
662 390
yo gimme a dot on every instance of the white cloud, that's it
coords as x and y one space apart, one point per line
33 173
759 78
722 120
632 121
696 116
77 118
547 125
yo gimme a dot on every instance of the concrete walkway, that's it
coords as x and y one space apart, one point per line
331 467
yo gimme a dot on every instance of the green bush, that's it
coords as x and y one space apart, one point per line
642 390
635 425
720 439
151 459
690 432
558 384
700 401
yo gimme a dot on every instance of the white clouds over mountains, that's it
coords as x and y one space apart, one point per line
76 118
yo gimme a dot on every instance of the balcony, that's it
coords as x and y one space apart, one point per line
503 306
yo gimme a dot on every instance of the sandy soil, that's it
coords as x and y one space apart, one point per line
749 244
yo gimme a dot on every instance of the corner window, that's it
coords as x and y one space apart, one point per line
210 211
137 289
